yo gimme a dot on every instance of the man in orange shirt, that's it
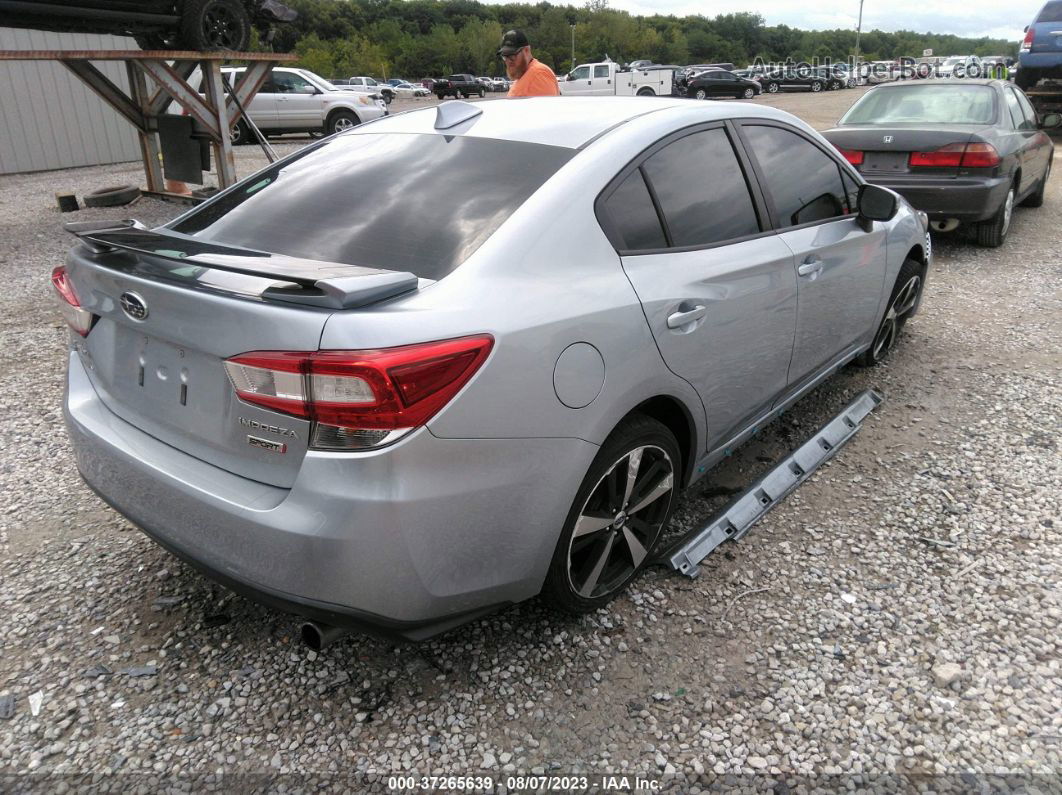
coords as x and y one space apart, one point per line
533 78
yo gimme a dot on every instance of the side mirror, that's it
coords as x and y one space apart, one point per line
875 203
307 90
571 76
1050 121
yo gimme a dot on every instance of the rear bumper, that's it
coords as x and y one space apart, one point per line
1041 60
968 200
403 542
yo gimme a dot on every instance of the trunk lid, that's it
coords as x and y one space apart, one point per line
887 149
158 361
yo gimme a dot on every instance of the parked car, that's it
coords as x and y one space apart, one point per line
386 439
297 100
370 85
155 24
1040 55
410 91
458 86
960 66
964 153
500 84
608 79
717 83
810 79
339 81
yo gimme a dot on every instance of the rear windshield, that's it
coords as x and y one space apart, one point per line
1052 12
931 104
417 203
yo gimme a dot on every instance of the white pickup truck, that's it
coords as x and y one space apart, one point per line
606 79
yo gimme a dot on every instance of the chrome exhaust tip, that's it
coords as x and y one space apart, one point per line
945 225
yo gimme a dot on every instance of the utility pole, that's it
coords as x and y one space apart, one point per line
573 48
859 29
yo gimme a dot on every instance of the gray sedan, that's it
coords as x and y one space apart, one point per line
399 399
965 152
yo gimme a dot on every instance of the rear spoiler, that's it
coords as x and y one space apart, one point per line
329 285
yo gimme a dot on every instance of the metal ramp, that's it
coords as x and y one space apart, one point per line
738 518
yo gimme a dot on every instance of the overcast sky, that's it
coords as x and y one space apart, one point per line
1004 20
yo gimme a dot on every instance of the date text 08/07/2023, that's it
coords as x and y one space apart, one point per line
602 783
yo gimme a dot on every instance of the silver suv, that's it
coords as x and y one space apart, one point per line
297 100
400 399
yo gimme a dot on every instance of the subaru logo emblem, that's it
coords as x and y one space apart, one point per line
134 306
887 139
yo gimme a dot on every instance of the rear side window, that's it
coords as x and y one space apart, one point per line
634 216
702 190
804 182
1032 122
1052 12
344 201
601 71
1014 109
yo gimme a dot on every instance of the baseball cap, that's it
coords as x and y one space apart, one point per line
513 41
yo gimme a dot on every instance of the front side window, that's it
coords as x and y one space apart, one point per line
804 181
289 83
582 73
343 201
702 190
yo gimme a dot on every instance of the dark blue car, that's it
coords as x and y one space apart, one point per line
1041 51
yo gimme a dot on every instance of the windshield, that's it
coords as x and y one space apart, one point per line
931 104
343 201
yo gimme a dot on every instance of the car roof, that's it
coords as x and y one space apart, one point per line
559 121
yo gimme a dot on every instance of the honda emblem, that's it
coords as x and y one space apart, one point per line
887 139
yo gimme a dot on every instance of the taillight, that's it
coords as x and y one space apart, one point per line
853 156
946 156
80 320
957 156
1027 43
980 156
359 399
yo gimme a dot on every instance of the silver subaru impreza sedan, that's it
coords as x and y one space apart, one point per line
396 399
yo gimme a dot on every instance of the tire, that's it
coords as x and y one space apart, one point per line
482 93
993 232
1027 78
342 120
241 134
154 41
700 93
1036 198
114 196
903 302
388 97
748 93
816 86
215 25
440 97
646 92
772 87
593 564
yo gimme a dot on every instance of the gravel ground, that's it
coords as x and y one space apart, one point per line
898 614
